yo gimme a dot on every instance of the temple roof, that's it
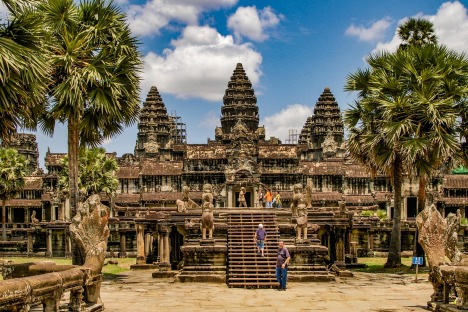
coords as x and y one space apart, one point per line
277 151
206 151
128 172
239 104
150 167
323 168
33 183
455 181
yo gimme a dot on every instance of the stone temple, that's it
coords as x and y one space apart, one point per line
156 212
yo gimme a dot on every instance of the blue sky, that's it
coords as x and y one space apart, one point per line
291 51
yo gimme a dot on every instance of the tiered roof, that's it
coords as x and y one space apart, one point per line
155 125
240 104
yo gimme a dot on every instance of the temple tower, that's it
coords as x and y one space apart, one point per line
323 131
156 128
240 107
26 145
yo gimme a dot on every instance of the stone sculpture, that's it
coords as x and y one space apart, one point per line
242 202
90 231
298 198
438 237
207 219
33 217
185 203
302 222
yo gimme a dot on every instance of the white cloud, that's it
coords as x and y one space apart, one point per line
211 120
252 23
199 64
450 25
373 33
292 117
149 18
3 11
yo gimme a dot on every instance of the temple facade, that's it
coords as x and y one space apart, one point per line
350 209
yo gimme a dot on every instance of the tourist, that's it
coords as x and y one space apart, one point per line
268 198
260 198
282 260
277 200
259 239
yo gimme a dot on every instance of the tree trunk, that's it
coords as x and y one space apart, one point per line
4 238
73 146
394 253
422 196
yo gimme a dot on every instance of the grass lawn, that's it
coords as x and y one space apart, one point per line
376 265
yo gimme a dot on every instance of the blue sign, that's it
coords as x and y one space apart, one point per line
417 260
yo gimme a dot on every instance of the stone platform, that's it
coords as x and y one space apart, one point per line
364 292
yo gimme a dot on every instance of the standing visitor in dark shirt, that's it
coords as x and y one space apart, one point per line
260 238
282 260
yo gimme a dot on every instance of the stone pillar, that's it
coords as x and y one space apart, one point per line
164 247
147 244
68 245
123 245
340 246
53 217
10 215
140 229
43 218
30 243
48 243
371 244
61 211
230 203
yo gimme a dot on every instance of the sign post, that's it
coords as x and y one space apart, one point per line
417 261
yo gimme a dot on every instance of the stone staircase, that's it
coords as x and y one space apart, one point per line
246 268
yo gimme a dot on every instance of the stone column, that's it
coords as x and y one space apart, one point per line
164 248
147 244
68 245
371 244
123 245
140 229
43 218
230 203
53 217
48 243
61 211
10 215
340 246
30 243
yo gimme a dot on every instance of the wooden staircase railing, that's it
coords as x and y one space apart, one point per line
246 268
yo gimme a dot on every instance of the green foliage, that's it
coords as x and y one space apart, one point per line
382 214
464 221
367 213
13 169
95 67
96 172
23 67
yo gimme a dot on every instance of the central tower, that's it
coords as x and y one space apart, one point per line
240 107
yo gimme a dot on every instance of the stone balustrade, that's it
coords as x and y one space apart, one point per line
23 293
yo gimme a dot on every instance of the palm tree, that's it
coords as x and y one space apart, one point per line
13 169
95 75
405 118
376 126
23 69
417 31
96 173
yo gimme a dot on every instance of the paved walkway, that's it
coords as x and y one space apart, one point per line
138 291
